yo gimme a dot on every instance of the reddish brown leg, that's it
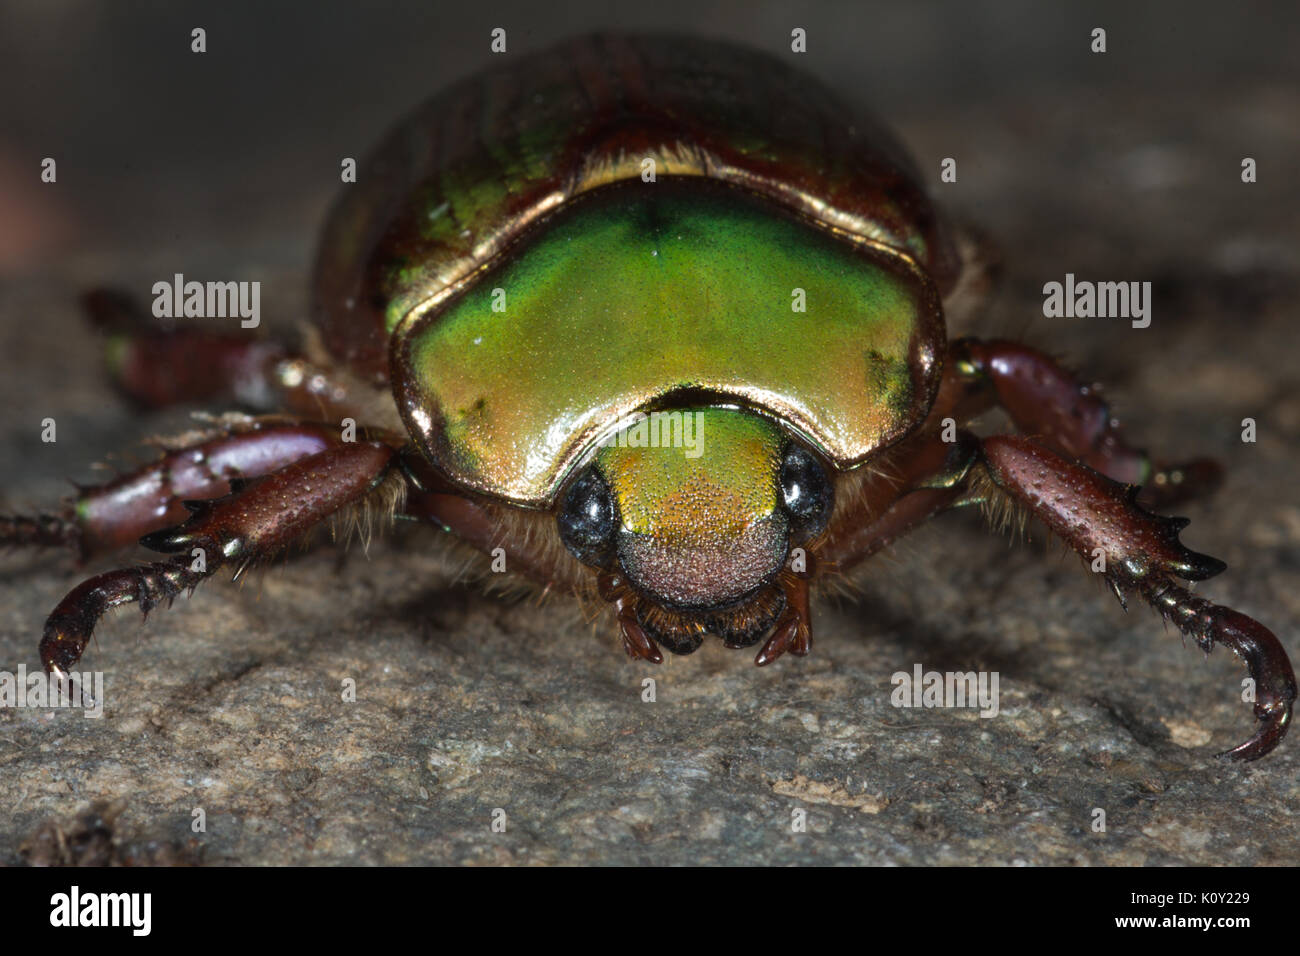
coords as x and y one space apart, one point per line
112 516
158 367
1089 511
1051 406
1143 554
793 630
253 522
919 478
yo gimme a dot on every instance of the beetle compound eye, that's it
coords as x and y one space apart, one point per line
807 493
587 520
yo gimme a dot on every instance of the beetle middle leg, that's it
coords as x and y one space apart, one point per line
256 520
157 367
1050 405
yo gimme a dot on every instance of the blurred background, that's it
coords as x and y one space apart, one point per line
235 151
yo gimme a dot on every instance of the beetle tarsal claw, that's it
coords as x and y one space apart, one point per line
1272 728
1256 646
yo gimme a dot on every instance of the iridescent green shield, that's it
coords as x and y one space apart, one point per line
648 294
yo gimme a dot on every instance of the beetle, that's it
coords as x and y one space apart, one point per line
570 302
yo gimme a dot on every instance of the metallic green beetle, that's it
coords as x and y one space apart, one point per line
662 320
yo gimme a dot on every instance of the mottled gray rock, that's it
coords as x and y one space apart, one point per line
233 701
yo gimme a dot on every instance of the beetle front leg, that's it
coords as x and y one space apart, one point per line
1049 404
253 522
114 515
1090 512
927 477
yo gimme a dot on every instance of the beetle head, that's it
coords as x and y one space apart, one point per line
696 509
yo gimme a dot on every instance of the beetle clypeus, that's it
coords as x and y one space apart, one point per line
541 257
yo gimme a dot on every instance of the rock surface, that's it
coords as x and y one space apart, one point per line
468 706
